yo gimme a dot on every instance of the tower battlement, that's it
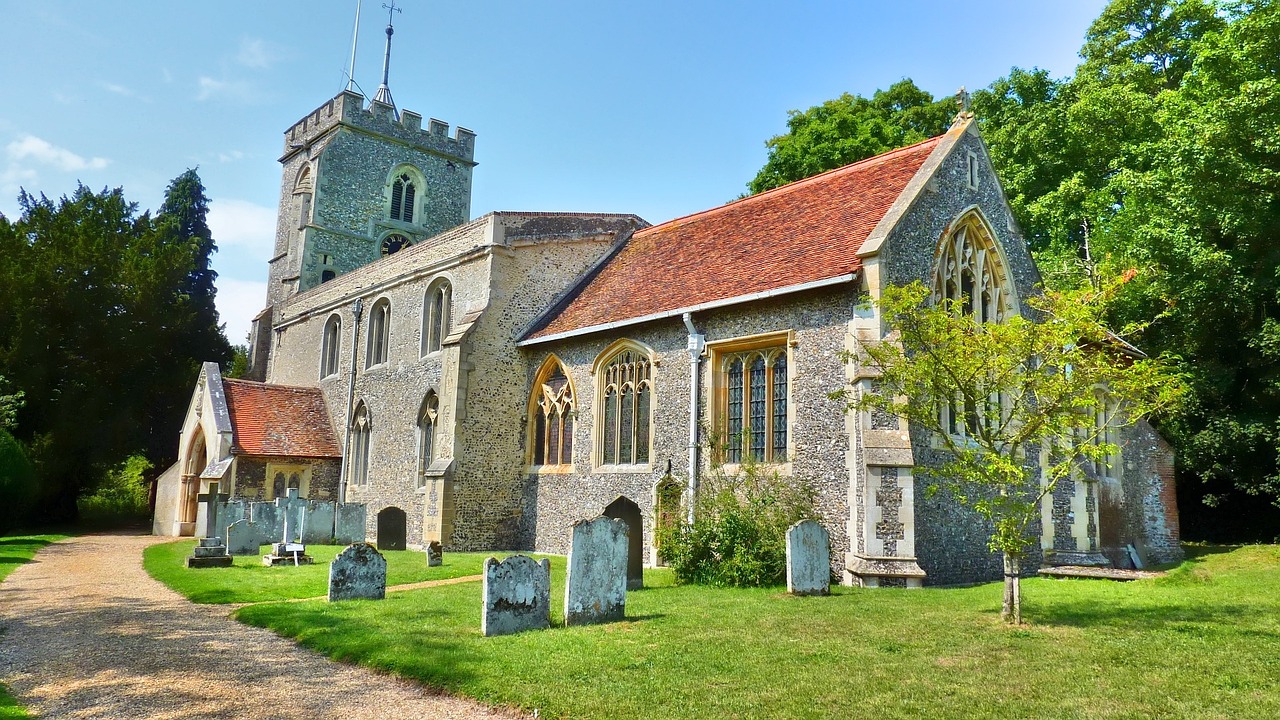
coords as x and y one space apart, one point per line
348 108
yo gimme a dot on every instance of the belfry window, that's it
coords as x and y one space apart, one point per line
329 345
625 382
969 274
551 415
402 198
436 316
379 331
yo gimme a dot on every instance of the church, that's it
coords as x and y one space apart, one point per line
487 382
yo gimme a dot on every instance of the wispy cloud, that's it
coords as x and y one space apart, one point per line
211 88
242 223
32 148
121 90
254 53
230 156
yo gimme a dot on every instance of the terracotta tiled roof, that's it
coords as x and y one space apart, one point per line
279 420
804 232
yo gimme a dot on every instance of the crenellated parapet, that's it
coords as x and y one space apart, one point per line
348 108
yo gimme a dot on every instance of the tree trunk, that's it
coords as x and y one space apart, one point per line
1011 609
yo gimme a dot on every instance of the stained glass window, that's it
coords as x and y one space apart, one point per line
552 408
625 396
754 415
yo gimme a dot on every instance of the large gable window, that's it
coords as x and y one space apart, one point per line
436 316
379 334
624 379
752 398
551 416
329 345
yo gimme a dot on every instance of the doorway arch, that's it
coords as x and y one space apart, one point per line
625 509
392 529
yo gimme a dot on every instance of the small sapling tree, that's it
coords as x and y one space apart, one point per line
1014 404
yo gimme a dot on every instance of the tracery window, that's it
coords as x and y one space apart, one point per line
436 316
551 411
402 198
1106 464
427 417
358 469
752 382
329 345
379 331
970 274
625 383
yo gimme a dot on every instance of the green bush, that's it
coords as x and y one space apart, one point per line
122 494
739 534
17 483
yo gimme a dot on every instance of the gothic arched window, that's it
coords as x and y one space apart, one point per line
302 188
427 416
551 415
624 382
436 316
329 345
753 411
971 276
403 193
358 463
379 334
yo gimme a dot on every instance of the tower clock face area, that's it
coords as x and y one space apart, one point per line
394 243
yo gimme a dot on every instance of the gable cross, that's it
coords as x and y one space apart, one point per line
211 499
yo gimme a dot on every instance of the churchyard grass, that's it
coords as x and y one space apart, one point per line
18 550
248 581
1203 642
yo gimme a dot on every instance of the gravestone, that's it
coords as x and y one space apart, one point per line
517 595
267 517
349 525
435 554
808 559
290 550
358 573
243 538
319 525
231 512
392 529
596 587
210 550
626 510
293 511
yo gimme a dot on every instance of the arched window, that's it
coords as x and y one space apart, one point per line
329 345
379 331
755 404
970 274
427 416
302 188
358 464
551 414
625 386
1107 463
403 195
436 316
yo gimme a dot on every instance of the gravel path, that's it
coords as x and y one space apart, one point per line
86 633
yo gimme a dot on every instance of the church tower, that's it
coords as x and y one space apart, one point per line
359 182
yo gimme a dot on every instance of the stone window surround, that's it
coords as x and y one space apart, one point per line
331 346
427 427
548 366
437 317
598 368
361 444
383 336
718 351
419 200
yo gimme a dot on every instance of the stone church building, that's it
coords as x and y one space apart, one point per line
498 378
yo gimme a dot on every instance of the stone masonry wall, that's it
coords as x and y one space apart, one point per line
251 476
1151 505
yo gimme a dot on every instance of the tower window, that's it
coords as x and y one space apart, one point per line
402 196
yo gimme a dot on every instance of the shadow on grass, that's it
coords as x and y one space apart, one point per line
1092 614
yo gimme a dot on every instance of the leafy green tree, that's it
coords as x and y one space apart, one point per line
850 128
1022 386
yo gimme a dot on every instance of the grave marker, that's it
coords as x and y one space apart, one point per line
435 554
596 586
243 538
210 551
358 573
517 595
808 559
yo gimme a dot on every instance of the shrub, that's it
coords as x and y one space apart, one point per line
122 494
739 533
17 483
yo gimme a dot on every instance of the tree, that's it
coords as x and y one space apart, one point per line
851 128
1026 390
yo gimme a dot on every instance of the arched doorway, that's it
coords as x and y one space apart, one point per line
667 496
392 529
626 510
197 461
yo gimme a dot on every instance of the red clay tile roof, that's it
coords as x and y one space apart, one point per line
804 232
279 420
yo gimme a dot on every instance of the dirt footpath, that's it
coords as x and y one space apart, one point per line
86 633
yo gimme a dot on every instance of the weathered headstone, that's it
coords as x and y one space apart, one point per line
808 559
596 587
243 538
435 554
318 529
290 550
267 517
392 529
231 512
517 595
358 573
210 551
349 525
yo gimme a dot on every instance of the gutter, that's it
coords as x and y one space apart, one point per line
357 310
697 343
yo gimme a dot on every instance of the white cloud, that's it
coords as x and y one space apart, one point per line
30 147
244 224
210 88
231 156
254 53
238 301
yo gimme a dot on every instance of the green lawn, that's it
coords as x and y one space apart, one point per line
1203 642
249 581
18 550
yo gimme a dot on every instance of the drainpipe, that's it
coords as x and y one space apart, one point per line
697 343
356 311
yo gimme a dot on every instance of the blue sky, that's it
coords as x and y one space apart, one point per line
658 108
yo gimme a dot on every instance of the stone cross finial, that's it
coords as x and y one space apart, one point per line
962 100
212 498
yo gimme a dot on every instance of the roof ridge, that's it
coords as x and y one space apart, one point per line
789 187
242 381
